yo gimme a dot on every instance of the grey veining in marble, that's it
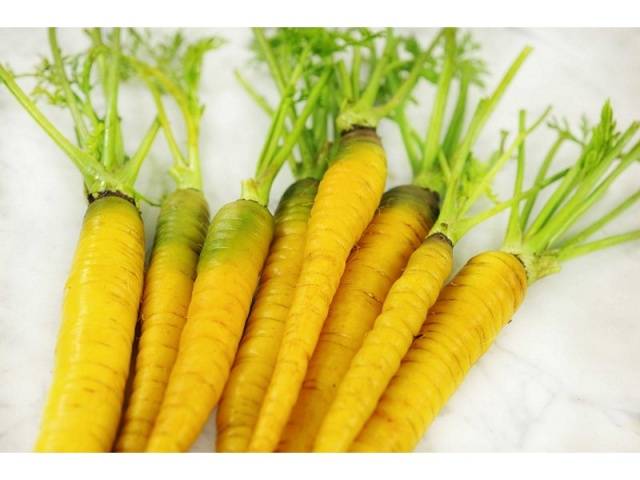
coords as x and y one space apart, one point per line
563 376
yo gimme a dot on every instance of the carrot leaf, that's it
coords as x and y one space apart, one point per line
173 66
543 244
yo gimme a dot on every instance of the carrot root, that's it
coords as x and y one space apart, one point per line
347 198
461 326
404 218
257 353
100 309
182 226
373 366
230 263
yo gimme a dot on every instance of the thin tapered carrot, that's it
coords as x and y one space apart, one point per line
405 216
181 229
462 324
482 298
253 365
102 292
413 294
232 258
347 198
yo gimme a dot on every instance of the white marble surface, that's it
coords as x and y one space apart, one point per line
563 376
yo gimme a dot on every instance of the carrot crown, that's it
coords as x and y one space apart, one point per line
279 51
388 78
173 67
466 178
362 90
428 154
297 103
541 242
68 81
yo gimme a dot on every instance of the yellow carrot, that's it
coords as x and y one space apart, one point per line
403 219
232 258
482 298
181 229
254 362
345 203
414 293
228 270
100 309
253 366
102 293
462 324
347 199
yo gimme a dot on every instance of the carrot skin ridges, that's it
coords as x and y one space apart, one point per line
348 196
253 366
373 366
401 223
93 351
180 232
461 326
230 263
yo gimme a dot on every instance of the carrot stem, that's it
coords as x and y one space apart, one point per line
483 111
431 145
368 98
111 123
80 128
514 232
276 72
356 66
542 172
132 167
585 234
586 248
406 87
468 223
457 119
253 93
94 174
583 198
265 177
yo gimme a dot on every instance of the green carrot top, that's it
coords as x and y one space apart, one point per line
279 50
362 70
542 242
173 66
70 82
301 81
378 82
428 154
443 161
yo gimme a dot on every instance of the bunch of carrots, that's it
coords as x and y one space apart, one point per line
335 323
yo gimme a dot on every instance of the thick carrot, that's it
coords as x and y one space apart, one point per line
102 294
380 354
94 344
181 229
481 299
404 217
415 292
232 258
228 270
253 365
347 199
460 327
